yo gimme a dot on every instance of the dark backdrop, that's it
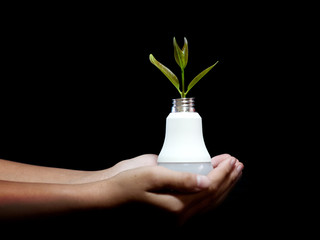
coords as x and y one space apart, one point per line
77 83
78 90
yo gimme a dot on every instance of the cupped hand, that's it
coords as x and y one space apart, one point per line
184 194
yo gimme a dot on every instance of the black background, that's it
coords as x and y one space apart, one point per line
78 91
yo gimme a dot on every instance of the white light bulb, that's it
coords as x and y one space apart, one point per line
184 148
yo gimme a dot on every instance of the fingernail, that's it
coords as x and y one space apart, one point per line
232 162
203 181
239 168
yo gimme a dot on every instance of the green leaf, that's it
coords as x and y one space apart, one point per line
199 76
185 52
181 56
170 75
177 53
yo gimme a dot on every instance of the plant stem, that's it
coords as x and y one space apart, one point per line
183 95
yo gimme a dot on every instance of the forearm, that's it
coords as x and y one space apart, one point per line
21 200
19 172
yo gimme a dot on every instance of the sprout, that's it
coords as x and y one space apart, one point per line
181 57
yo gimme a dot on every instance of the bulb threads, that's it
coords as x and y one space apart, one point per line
183 105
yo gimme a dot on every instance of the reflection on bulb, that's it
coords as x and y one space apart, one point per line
184 148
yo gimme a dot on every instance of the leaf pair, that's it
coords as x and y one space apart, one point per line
181 57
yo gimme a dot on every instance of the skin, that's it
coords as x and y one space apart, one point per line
28 190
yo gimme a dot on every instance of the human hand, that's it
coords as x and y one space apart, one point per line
99 175
139 161
184 194
227 171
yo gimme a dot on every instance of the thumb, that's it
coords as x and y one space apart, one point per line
179 181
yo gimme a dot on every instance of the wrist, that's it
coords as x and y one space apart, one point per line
99 194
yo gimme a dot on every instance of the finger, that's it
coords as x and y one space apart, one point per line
234 175
222 170
229 183
163 178
227 191
218 193
231 174
218 159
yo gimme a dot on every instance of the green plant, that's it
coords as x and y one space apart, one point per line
181 57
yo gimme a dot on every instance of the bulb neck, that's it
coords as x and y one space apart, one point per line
183 105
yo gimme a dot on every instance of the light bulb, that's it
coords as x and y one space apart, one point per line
184 148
